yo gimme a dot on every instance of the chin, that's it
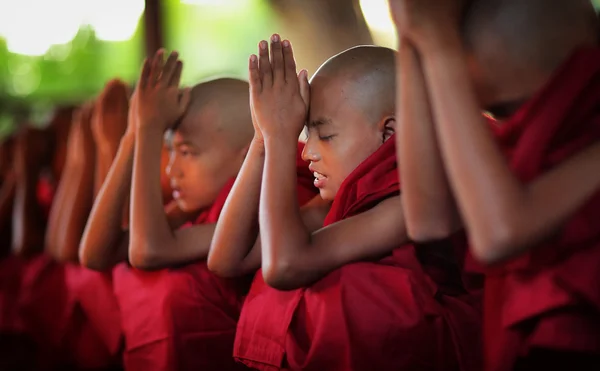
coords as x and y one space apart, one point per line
326 194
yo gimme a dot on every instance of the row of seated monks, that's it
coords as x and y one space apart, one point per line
189 229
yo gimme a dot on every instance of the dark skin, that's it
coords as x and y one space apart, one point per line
517 216
105 240
214 153
196 176
428 203
75 190
109 124
292 256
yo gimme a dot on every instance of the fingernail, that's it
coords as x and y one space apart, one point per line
263 44
275 38
286 43
253 58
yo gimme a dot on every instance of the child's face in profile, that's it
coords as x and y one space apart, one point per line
340 136
201 162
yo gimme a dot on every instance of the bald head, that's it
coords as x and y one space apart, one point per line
224 105
367 77
539 33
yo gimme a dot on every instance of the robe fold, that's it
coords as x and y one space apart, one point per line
185 318
407 311
549 298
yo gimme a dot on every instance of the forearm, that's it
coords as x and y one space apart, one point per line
104 233
282 231
28 219
237 230
149 227
428 205
491 198
104 159
76 209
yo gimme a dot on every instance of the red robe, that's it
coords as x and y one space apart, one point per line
185 318
404 312
549 298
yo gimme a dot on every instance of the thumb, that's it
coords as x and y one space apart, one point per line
304 87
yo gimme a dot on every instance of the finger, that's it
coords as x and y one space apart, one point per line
169 69
145 74
277 59
156 69
254 75
176 75
304 87
184 100
289 62
264 65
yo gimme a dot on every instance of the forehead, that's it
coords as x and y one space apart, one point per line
332 99
198 126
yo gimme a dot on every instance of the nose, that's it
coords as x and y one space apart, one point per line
173 170
310 152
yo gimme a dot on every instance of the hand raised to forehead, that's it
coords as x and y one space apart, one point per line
159 102
109 121
416 19
279 97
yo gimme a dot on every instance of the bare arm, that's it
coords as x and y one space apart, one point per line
292 256
104 241
516 216
235 249
428 204
75 192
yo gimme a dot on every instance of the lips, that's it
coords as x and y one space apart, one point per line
320 179
176 191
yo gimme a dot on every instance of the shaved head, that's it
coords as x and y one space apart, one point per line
351 114
224 105
368 79
210 143
523 41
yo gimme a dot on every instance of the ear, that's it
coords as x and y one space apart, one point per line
387 127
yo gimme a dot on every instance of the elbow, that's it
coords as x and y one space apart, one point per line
67 254
88 261
430 230
140 256
281 275
220 269
496 244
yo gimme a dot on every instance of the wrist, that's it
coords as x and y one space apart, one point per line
257 146
151 131
437 40
281 145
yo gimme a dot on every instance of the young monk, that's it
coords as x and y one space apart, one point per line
535 65
183 317
382 313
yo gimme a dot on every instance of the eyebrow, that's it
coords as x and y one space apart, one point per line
177 144
318 122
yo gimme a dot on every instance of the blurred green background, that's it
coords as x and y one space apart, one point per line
63 51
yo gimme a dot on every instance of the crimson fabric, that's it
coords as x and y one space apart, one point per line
185 318
181 318
45 194
385 315
549 298
98 308
11 268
